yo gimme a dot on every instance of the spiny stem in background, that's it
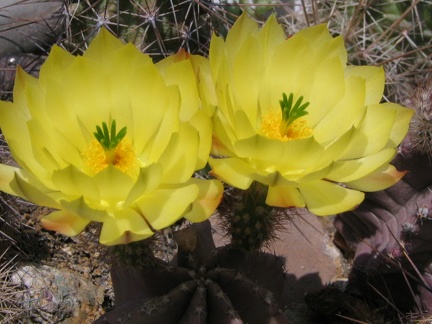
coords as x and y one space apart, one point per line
421 124
157 27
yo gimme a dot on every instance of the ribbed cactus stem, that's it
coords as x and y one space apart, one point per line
131 255
250 222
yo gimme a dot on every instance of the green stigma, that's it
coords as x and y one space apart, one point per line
109 139
289 112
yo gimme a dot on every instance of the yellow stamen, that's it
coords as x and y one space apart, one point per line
271 125
96 158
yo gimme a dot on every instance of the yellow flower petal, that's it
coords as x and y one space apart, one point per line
335 149
271 34
324 198
26 186
127 226
326 87
148 180
373 133
325 46
161 137
240 32
110 194
284 196
206 88
68 118
82 208
103 46
209 197
375 81
285 62
279 155
223 138
7 174
64 223
179 71
54 66
13 123
337 121
244 68
163 207
51 149
75 183
401 125
260 147
233 171
151 141
347 171
203 125
179 159
182 75
217 53
244 125
381 179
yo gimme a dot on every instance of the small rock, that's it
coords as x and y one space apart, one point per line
54 295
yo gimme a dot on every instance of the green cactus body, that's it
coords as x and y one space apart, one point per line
248 220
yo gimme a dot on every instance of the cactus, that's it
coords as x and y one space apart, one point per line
158 28
29 26
390 233
249 222
202 288
421 125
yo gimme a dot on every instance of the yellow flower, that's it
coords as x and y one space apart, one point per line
105 137
293 116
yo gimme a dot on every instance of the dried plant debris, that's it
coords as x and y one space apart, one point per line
11 310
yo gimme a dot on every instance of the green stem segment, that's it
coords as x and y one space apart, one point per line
109 139
289 112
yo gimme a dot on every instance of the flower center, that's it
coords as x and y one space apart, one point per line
96 158
270 127
287 124
110 148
